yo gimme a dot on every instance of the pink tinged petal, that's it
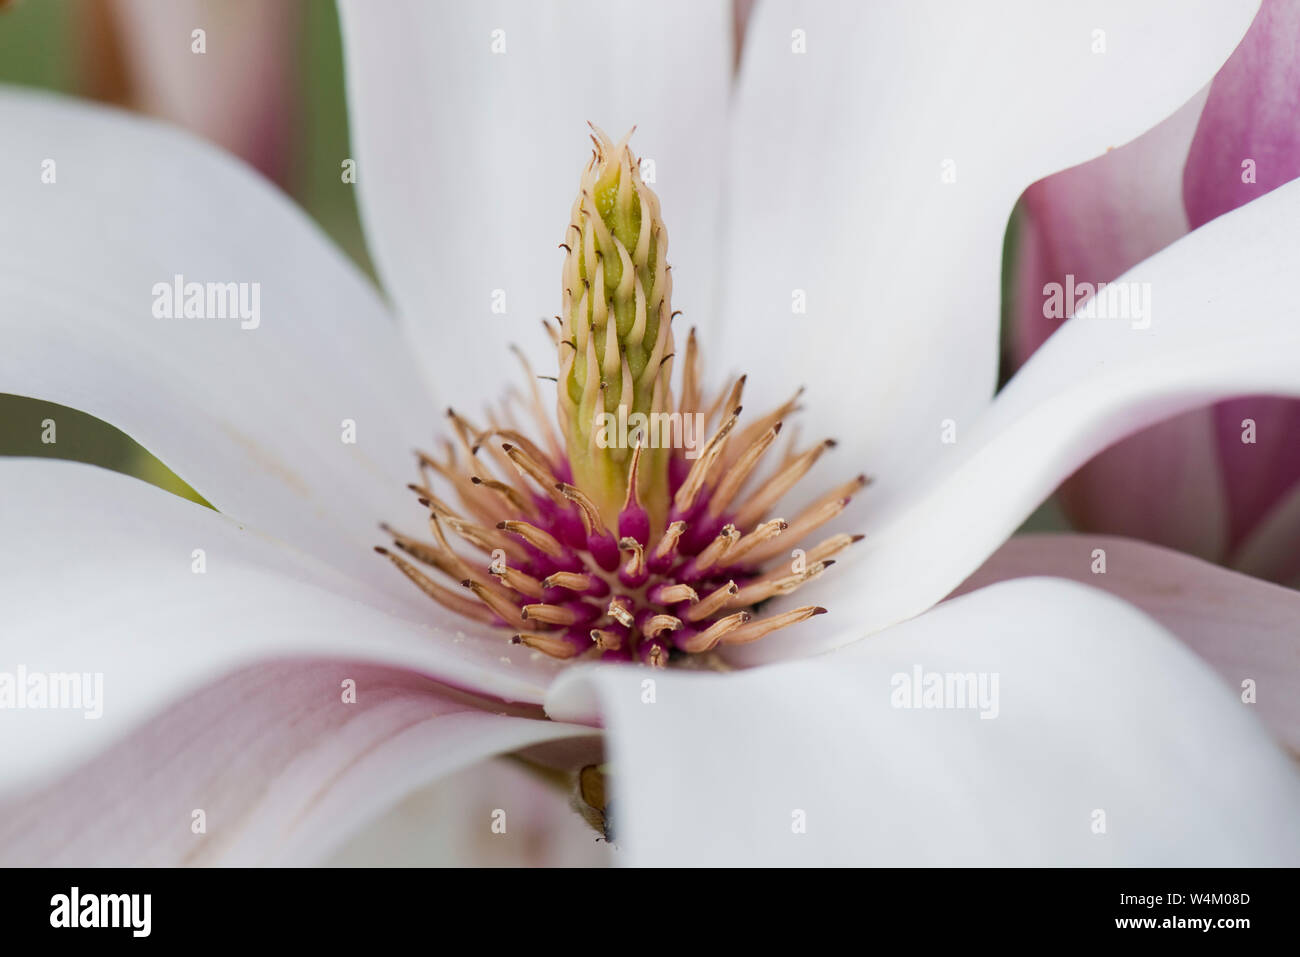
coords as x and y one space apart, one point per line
844 235
449 824
1162 485
1270 551
1258 474
281 768
1243 628
1250 120
1098 709
1220 326
469 127
98 575
1089 224
255 419
1250 115
238 93
1098 219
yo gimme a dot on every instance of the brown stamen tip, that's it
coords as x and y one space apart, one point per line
709 638
381 550
539 538
712 603
549 614
658 624
556 646
758 629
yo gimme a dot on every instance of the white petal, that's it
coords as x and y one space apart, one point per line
1244 628
469 159
449 824
1098 709
837 191
253 418
281 768
1220 324
97 576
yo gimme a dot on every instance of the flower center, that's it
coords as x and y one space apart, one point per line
623 534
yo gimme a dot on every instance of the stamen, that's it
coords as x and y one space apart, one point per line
551 614
712 603
463 431
816 515
672 594
485 539
521 582
540 539
779 484
633 520
620 609
443 596
727 400
590 514
832 546
600 542
507 611
654 654
706 640
536 406
634 572
750 433
562 645
658 624
760 629
508 495
533 469
607 639
699 473
690 403
665 552
763 533
579 582
736 475
422 551
714 553
764 588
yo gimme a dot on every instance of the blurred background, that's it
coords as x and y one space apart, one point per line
269 89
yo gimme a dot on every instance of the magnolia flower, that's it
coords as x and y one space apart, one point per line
269 685
1220 481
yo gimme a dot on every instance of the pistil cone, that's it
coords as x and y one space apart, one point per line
616 343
